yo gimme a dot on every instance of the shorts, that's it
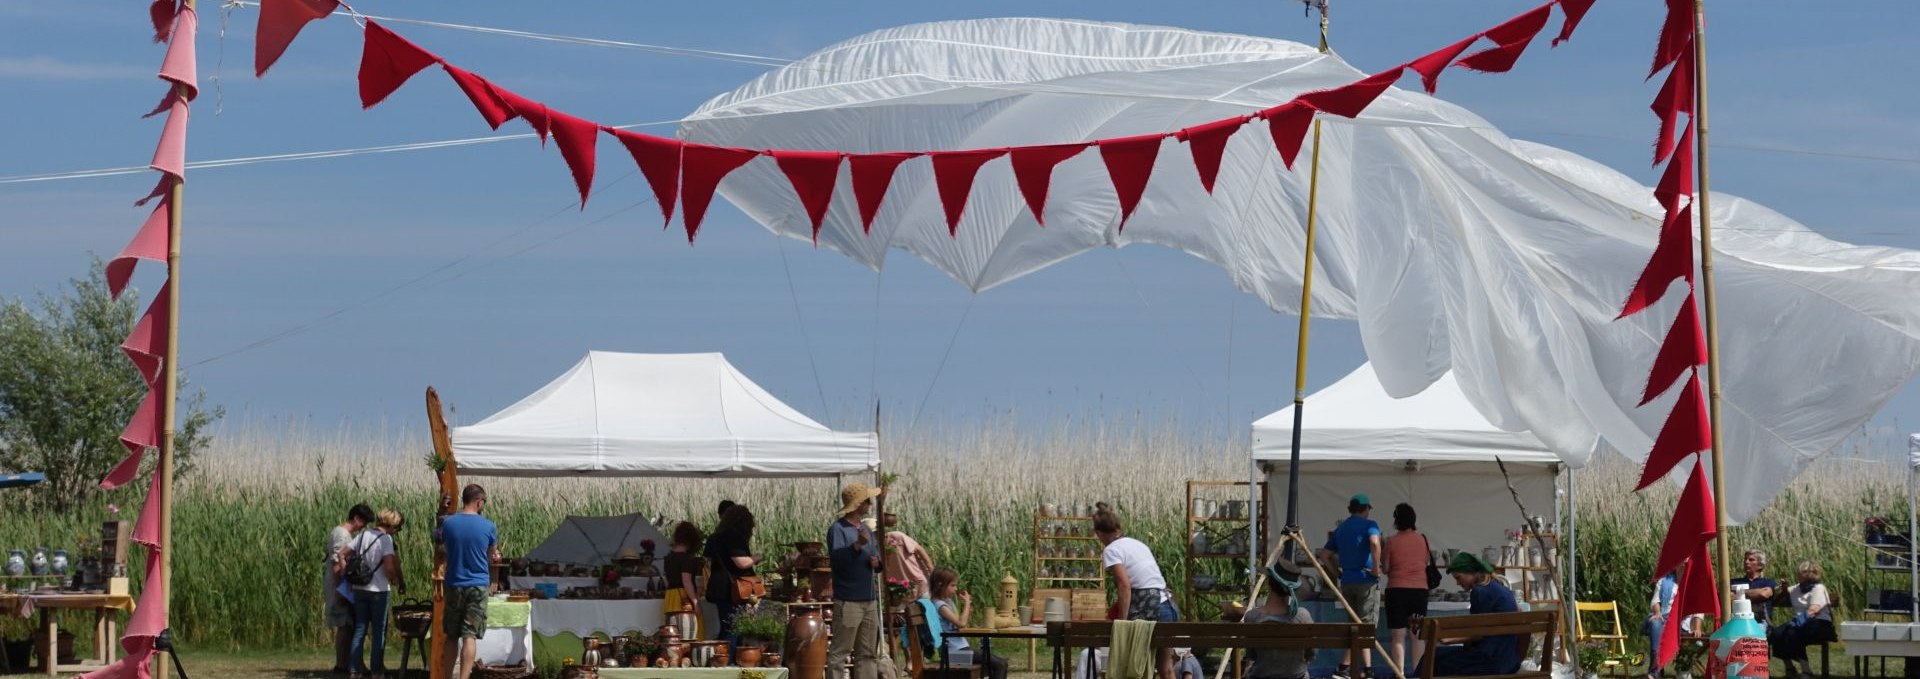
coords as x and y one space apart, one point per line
466 611
1364 597
338 613
1402 604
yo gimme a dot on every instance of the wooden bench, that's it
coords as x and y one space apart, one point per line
1545 623
1355 637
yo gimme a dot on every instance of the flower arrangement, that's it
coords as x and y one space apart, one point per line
899 589
765 623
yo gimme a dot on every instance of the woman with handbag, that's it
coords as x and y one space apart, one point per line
1407 559
730 562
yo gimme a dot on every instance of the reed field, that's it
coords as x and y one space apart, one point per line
251 521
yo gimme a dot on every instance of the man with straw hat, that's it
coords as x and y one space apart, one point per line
855 558
1498 654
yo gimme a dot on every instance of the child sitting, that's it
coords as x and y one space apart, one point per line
945 584
1280 663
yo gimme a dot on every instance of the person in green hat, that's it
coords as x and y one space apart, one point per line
1498 654
1356 543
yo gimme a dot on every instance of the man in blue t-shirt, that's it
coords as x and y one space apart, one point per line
1759 587
1356 543
471 546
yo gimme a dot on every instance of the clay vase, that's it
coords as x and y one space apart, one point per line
770 660
719 658
749 656
807 644
591 656
672 653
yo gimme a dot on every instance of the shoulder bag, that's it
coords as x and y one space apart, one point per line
1433 571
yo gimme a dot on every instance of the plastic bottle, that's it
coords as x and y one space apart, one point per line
1739 648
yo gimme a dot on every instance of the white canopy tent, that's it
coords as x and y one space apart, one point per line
621 414
1431 450
596 540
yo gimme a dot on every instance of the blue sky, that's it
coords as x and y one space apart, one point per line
1807 101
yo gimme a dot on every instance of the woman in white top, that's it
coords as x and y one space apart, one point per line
1143 593
1812 621
375 548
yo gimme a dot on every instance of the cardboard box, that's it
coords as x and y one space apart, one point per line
117 586
1039 600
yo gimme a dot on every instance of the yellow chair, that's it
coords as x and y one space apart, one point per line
1614 636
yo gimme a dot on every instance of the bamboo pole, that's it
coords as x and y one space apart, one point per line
1724 590
169 389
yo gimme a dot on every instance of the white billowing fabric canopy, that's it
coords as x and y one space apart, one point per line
1430 450
597 540
619 414
1454 247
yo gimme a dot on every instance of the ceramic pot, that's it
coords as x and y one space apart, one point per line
770 660
806 650
590 657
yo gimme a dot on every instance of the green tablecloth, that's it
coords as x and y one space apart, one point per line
688 673
509 614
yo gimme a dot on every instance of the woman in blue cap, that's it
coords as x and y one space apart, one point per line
1499 654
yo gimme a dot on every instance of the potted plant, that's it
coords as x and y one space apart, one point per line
1592 657
759 627
1688 661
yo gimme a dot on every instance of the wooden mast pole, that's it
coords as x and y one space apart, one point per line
437 660
169 388
1701 196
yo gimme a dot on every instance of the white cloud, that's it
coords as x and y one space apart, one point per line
50 68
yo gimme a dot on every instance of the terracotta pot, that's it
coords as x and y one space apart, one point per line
806 650
749 656
770 660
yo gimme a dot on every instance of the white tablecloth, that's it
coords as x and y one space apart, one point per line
505 645
586 616
528 582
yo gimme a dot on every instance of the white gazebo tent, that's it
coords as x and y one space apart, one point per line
621 414
1431 450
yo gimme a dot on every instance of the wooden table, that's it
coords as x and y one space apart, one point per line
1030 633
105 625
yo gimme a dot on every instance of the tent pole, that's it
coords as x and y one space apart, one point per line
1571 551
1306 313
449 478
1703 197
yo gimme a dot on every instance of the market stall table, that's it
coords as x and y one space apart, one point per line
691 672
559 625
104 624
509 637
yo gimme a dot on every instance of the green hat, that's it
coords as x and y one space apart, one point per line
1468 562
1361 499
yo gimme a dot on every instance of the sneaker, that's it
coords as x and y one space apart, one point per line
1342 672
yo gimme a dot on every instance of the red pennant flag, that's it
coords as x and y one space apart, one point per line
148 343
535 113
1288 124
1676 35
812 174
1129 164
166 104
1672 259
1430 66
149 243
1684 433
142 432
1575 11
146 528
386 62
1349 100
1208 143
1692 595
575 137
953 173
1513 37
1693 524
179 67
161 12
170 154
160 188
871 174
1675 98
280 22
485 98
1677 182
1684 347
1033 172
701 169
659 160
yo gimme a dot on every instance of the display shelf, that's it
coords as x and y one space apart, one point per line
1883 560
1041 540
1205 501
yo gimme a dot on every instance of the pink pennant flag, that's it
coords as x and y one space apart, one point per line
1347 101
142 432
178 67
1575 11
701 169
953 173
160 188
1676 97
1684 347
1129 164
1684 433
1672 260
146 527
386 62
280 22
1676 35
1693 523
1430 66
576 136
1033 172
812 174
1513 37
166 103
1208 143
150 614
1288 124
149 243
485 98
1676 183
535 113
659 160
170 155
872 173
161 12
130 666
147 345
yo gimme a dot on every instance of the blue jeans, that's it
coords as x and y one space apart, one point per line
370 629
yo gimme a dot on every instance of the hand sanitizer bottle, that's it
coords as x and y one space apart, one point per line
1739 648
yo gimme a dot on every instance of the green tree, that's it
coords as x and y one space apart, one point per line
66 390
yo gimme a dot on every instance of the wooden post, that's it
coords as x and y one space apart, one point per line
449 495
169 390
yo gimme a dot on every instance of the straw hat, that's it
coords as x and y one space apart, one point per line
854 494
628 554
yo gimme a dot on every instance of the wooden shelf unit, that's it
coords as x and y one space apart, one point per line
1046 545
1535 582
1228 570
1881 560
